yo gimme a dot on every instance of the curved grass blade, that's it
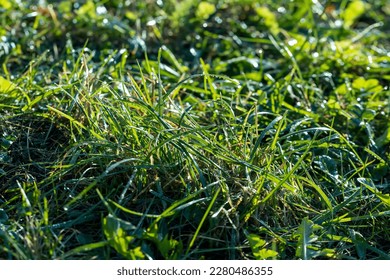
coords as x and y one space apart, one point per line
203 220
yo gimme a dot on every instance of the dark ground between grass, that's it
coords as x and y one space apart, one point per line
194 129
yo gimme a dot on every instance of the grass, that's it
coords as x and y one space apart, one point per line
194 130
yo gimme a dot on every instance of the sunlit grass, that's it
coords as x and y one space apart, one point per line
137 133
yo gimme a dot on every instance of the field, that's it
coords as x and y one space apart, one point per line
219 129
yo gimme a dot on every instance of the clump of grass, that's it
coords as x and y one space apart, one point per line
246 140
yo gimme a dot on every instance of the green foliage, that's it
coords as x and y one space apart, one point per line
269 19
361 86
115 231
194 130
181 11
306 238
205 10
257 245
6 85
354 10
170 249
